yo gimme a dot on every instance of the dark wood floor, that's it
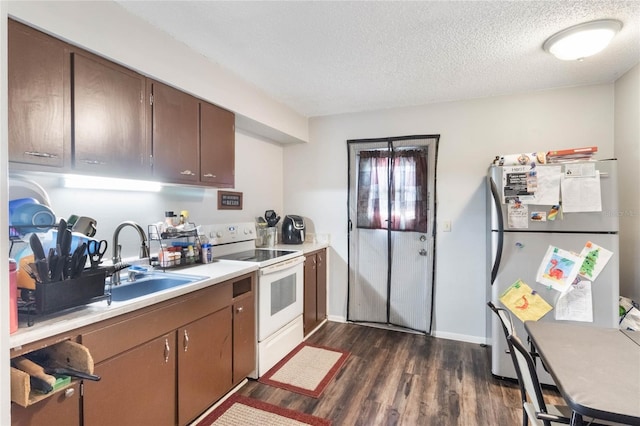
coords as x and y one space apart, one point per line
405 379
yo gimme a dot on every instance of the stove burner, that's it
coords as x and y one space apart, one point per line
255 255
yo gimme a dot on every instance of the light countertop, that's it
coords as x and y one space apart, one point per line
65 321
212 273
306 247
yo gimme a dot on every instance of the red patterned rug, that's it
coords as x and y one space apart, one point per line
240 410
307 369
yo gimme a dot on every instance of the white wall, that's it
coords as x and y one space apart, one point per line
5 390
627 149
472 133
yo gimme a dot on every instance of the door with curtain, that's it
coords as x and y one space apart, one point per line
391 231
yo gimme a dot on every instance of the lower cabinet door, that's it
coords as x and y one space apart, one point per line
204 363
137 387
244 337
63 408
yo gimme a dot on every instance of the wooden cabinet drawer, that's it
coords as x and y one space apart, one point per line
118 337
62 408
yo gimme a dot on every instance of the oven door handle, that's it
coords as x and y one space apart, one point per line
276 267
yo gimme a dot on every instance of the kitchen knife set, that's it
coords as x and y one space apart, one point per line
59 264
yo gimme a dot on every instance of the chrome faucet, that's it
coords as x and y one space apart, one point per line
117 258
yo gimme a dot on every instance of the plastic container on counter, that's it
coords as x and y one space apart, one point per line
13 296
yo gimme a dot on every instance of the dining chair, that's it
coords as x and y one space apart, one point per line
537 410
509 329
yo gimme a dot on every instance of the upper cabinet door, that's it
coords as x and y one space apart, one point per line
109 118
38 69
175 134
217 146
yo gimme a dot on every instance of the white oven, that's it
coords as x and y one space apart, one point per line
280 295
280 290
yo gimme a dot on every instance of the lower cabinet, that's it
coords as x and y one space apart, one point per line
62 408
204 363
315 290
162 365
244 337
136 387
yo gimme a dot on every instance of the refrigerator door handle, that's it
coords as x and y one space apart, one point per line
496 200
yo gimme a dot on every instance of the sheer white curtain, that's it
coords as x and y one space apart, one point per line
404 173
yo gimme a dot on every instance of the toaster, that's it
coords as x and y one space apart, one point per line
293 230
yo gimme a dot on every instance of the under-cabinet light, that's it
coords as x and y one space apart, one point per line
113 184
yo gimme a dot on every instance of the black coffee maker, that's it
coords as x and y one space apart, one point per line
293 230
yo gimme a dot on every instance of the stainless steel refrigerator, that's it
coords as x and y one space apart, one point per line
516 253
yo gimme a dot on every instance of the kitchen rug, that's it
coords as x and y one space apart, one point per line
307 369
240 410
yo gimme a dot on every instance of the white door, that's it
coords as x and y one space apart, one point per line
391 255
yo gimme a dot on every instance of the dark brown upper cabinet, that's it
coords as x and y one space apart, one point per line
217 146
108 118
71 110
175 133
38 70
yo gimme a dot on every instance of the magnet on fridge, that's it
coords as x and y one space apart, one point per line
519 245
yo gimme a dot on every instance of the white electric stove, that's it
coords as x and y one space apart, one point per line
279 289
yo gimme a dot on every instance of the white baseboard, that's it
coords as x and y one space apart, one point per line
438 334
460 337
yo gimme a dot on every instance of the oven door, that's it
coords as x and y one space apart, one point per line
280 295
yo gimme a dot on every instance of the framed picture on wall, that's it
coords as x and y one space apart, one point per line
229 200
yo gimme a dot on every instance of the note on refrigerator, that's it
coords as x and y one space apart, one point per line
517 216
581 192
576 303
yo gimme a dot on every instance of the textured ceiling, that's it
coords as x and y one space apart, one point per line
331 57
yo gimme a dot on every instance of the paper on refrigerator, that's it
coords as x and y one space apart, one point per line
558 268
581 190
525 303
595 258
576 303
531 185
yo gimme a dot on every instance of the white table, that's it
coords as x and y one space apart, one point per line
597 370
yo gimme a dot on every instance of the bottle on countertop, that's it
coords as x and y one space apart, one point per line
206 253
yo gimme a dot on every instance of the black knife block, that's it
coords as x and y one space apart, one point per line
58 295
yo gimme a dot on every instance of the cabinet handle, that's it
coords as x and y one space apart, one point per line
94 162
68 393
185 342
187 173
40 154
239 309
209 175
167 349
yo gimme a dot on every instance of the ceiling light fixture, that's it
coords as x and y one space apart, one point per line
582 40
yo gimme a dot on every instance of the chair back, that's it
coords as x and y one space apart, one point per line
527 374
505 320
509 330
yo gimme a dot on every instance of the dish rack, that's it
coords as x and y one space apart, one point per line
176 247
55 296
